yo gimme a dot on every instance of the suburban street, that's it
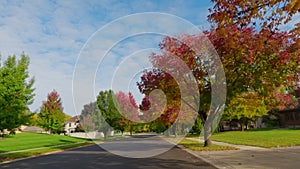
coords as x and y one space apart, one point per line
103 84
92 157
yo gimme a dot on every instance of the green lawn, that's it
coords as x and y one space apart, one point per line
264 138
11 156
24 141
35 144
196 145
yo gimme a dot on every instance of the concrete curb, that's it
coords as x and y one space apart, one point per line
207 158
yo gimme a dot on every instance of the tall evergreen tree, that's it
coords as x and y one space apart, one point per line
16 92
108 111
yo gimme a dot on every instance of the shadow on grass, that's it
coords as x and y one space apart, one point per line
3 137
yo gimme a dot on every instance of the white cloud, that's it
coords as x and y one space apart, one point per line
52 34
51 40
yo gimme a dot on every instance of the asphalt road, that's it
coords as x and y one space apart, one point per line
96 157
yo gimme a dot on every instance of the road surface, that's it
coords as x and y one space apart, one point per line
96 157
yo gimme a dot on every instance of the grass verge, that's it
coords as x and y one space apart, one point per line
198 146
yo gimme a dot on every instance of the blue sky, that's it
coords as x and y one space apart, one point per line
53 33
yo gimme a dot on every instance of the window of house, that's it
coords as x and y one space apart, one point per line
289 116
69 124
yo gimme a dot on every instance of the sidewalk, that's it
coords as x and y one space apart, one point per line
249 157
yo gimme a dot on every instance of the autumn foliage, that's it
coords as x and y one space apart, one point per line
51 116
266 14
254 60
128 109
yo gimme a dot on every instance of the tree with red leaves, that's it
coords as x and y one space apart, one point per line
253 61
161 103
51 116
266 14
285 99
128 109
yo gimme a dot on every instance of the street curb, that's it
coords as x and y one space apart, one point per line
43 154
208 159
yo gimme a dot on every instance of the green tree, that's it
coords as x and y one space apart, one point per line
245 107
86 117
197 127
51 116
108 111
33 121
16 93
98 122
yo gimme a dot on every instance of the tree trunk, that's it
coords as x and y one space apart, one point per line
242 126
207 134
106 134
167 132
175 129
207 142
131 129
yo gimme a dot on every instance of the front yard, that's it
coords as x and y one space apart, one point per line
264 138
28 144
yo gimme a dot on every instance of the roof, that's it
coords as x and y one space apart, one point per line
73 119
32 129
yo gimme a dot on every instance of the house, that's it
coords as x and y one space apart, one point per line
291 117
229 126
71 124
